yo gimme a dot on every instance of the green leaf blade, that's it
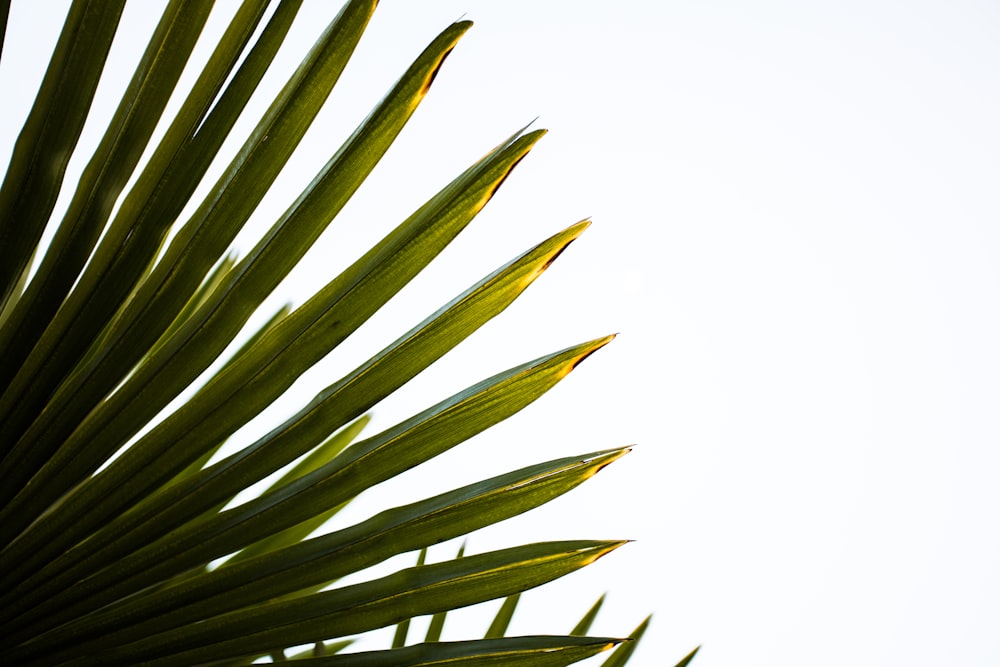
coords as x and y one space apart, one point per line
106 174
44 147
370 605
538 651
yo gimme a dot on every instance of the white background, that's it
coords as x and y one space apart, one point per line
795 231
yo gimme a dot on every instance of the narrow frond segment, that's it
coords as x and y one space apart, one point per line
44 147
538 651
366 606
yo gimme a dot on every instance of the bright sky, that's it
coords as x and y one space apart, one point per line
796 231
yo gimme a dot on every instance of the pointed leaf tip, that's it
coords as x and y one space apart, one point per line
616 454
586 350
555 247
568 235
451 34
688 658
604 549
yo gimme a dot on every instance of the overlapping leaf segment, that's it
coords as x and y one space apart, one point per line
110 514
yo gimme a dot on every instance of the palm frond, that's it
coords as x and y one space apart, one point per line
120 537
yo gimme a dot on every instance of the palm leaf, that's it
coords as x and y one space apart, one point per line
120 542
46 142
522 651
